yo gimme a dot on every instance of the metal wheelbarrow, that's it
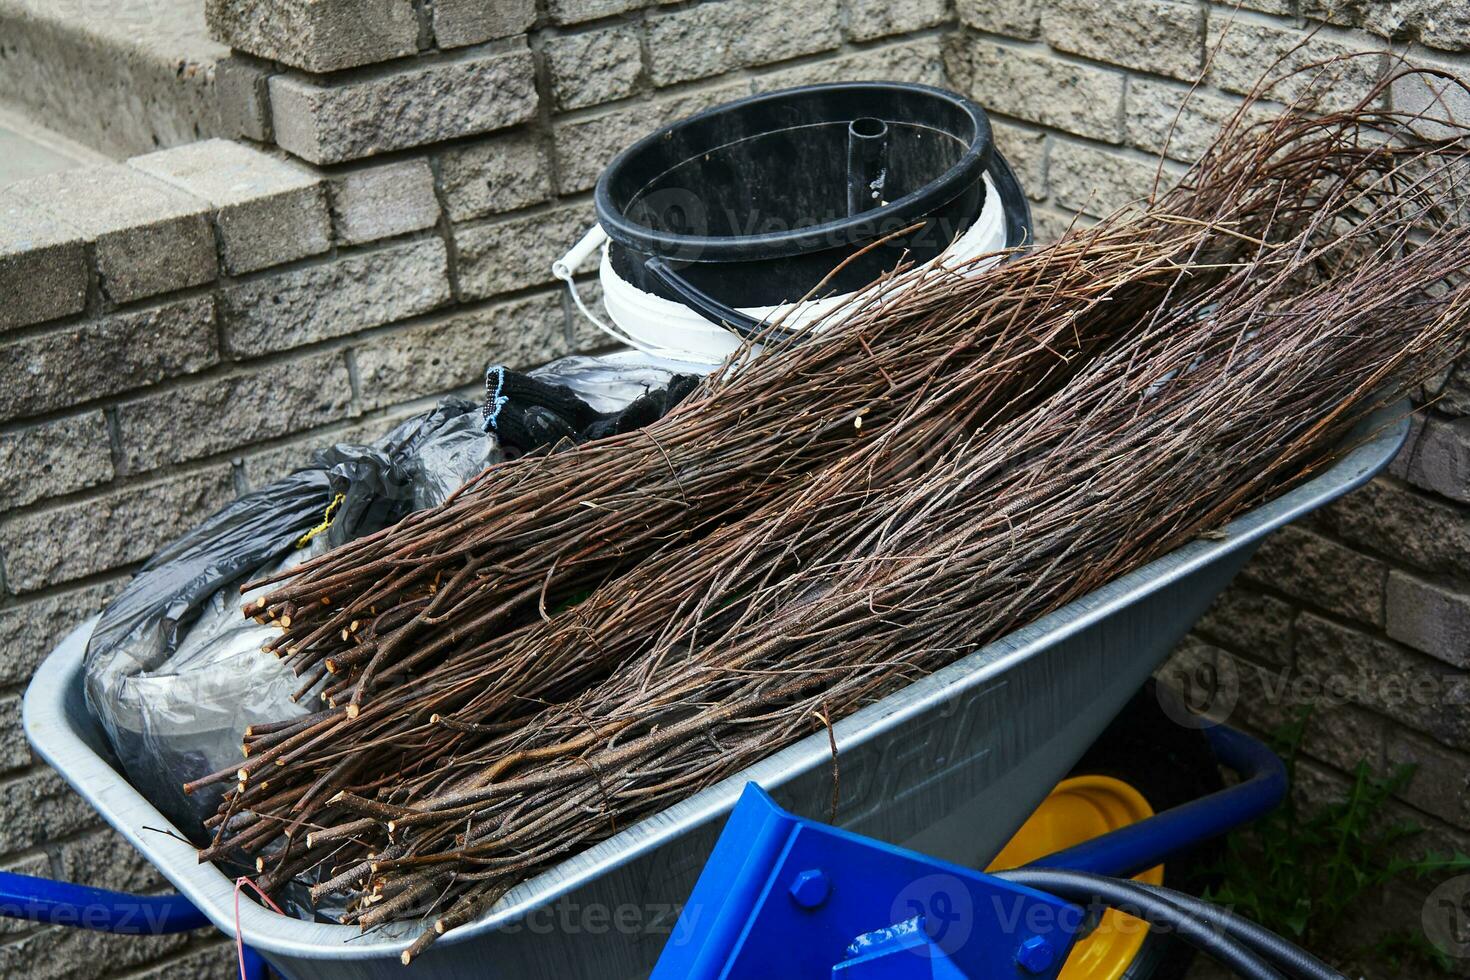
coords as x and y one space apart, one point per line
949 766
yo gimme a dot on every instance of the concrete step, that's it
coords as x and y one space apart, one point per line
119 76
29 150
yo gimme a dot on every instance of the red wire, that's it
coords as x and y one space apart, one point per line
239 941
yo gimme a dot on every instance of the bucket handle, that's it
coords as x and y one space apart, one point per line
704 304
565 269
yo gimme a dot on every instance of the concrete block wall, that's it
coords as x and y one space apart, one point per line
177 330
185 326
1361 612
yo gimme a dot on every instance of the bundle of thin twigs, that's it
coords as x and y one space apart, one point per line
577 640
528 534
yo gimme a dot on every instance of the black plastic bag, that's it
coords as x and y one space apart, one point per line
532 411
174 672
610 382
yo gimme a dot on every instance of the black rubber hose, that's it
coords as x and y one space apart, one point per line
1297 962
1082 888
1282 952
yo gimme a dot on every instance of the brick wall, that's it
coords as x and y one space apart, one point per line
184 326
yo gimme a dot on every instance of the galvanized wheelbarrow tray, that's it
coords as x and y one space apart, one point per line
950 766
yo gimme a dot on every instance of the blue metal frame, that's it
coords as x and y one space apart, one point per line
860 909
843 899
62 903
784 896
1128 850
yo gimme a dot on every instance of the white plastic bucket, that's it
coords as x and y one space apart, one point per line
666 329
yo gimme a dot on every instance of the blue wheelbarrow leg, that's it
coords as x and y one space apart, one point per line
781 895
61 903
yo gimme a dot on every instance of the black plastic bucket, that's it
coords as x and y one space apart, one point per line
755 202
